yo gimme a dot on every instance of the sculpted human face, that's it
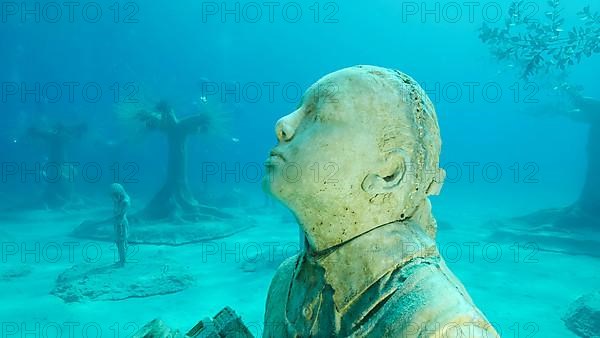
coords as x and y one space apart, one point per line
319 147
331 166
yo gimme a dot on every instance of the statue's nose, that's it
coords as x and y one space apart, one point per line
286 127
283 130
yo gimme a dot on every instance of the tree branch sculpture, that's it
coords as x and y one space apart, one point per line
542 45
175 201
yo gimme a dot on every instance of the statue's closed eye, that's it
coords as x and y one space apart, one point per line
315 116
311 113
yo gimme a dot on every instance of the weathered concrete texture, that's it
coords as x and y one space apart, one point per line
583 316
225 324
93 282
157 329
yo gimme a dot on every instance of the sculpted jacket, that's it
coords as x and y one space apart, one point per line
388 282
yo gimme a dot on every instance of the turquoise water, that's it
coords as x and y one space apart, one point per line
79 75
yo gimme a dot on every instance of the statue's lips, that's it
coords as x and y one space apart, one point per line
274 157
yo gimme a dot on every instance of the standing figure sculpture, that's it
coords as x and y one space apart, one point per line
121 206
370 267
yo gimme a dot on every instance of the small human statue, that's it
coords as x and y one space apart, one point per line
121 205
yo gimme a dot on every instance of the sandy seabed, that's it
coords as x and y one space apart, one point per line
524 292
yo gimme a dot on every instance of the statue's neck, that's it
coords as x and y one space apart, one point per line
370 256
317 243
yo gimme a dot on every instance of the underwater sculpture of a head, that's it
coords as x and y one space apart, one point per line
362 150
117 191
356 163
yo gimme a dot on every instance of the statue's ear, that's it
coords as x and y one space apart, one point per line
389 175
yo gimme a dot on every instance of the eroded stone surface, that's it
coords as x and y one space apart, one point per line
583 316
108 281
157 329
226 323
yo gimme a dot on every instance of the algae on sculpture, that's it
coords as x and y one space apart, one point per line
370 267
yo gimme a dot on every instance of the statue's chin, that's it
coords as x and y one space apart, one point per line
280 194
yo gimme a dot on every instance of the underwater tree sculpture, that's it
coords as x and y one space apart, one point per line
537 45
175 201
589 200
546 47
585 212
58 191
173 216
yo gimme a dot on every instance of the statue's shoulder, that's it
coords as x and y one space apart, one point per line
283 276
431 298
274 323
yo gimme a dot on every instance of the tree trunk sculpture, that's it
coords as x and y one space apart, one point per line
174 201
585 212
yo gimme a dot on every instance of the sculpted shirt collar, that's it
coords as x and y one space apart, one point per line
354 266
